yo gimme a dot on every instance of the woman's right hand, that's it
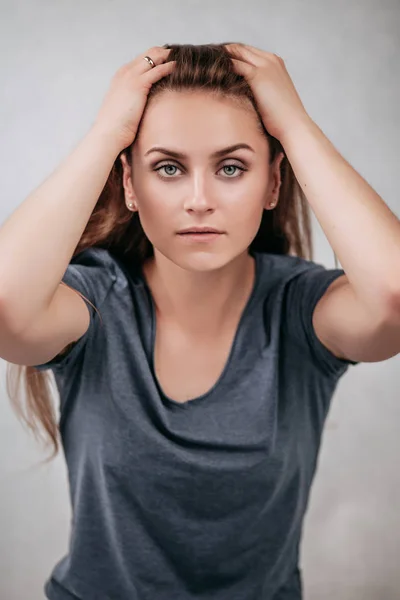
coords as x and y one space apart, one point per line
124 103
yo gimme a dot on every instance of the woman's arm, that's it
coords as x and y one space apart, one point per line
359 315
38 240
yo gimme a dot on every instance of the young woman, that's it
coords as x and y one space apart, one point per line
195 344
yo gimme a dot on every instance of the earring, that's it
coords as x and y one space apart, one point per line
130 205
272 204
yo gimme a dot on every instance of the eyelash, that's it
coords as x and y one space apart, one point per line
223 167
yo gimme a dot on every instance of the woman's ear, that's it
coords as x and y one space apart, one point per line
275 182
277 172
127 182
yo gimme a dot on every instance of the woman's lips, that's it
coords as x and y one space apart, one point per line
200 237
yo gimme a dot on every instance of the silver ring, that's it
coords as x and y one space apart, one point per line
150 61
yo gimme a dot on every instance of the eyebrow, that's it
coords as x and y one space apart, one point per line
216 154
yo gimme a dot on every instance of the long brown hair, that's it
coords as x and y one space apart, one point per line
284 230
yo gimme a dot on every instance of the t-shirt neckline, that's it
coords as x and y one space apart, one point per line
228 364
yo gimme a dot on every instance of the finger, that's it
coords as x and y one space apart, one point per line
243 68
159 71
265 54
157 54
261 54
254 49
242 52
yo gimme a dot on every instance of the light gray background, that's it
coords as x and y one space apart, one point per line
56 61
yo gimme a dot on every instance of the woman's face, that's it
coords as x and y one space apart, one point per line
228 192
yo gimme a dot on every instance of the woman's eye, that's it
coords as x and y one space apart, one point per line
169 174
166 167
232 167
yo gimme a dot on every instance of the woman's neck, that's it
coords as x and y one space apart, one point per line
200 303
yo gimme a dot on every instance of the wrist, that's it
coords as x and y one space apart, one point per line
301 126
107 139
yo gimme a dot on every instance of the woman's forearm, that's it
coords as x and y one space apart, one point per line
38 239
362 230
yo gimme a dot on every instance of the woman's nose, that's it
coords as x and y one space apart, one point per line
199 196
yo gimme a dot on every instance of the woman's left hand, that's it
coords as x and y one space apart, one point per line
276 96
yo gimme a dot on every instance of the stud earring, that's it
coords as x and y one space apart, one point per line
272 204
130 205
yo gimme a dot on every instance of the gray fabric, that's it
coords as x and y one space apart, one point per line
203 499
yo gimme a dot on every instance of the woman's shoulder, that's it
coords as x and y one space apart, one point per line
95 255
106 263
279 268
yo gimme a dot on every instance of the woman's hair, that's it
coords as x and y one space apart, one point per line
284 230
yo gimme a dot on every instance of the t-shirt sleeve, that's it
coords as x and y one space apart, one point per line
91 273
302 294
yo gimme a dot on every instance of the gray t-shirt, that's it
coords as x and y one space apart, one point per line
197 500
